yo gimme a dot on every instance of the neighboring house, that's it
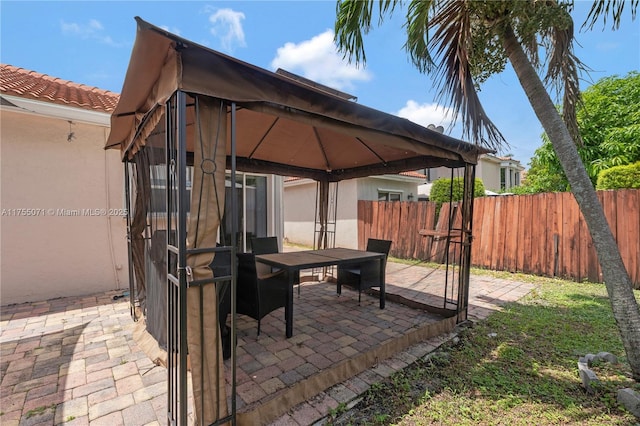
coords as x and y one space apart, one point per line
63 229
300 204
498 174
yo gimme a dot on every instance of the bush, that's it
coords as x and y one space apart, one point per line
522 190
620 177
440 190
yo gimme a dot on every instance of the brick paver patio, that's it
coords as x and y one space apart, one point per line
74 360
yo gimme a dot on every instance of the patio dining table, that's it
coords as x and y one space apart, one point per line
295 261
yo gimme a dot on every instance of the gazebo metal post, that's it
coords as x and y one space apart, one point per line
234 231
183 202
466 240
176 161
447 243
324 216
127 200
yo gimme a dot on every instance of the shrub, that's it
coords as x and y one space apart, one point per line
440 190
619 177
522 190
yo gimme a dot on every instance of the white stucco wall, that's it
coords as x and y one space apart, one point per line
368 188
299 213
347 214
489 172
73 241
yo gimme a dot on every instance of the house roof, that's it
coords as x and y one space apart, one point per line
414 174
28 84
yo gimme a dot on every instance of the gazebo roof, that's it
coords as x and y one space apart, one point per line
286 125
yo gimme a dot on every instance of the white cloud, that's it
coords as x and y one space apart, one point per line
91 30
425 114
318 59
226 25
172 30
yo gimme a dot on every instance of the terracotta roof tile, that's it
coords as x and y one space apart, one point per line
413 174
32 85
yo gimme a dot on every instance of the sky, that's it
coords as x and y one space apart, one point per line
90 42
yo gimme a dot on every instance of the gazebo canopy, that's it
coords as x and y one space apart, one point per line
286 125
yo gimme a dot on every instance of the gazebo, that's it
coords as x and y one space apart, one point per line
183 105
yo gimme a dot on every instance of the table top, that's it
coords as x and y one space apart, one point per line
317 258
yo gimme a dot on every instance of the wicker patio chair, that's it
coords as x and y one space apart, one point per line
268 245
366 275
259 295
221 266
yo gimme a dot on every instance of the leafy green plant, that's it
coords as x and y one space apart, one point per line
620 177
442 190
381 418
336 412
609 123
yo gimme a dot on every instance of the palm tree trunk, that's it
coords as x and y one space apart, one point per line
619 287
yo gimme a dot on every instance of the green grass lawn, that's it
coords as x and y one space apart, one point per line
517 367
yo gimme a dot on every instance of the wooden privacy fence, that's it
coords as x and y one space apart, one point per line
542 234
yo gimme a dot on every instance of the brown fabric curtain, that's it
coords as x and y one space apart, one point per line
207 201
138 226
323 213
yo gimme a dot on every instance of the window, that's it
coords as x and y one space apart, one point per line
158 187
252 204
503 178
389 196
252 209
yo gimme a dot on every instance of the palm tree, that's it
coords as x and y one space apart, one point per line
463 43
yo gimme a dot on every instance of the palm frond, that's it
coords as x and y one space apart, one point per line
353 21
417 26
528 37
530 46
564 67
605 8
450 40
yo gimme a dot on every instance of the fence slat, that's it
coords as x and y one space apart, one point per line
538 234
634 203
628 240
487 230
511 233
412 217
497 250
421 217
476 229
526 224
555 254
